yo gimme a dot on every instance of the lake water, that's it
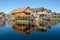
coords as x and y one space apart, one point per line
9 32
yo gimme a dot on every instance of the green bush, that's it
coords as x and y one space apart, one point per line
21 21
54 19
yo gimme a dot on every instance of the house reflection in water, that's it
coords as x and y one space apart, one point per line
28 29
2 23
21 28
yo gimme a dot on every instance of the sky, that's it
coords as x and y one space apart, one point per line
8 5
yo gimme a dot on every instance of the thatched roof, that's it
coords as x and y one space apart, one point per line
37 9
40 9
19 9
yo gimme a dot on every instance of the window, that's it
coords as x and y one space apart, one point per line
27 13
42 15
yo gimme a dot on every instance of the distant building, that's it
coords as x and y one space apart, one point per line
55 14
2 15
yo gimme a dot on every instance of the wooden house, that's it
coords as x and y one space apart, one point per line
21 12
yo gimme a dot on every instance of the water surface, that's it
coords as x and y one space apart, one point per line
9 32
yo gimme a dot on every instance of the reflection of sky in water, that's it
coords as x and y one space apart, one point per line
7 33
